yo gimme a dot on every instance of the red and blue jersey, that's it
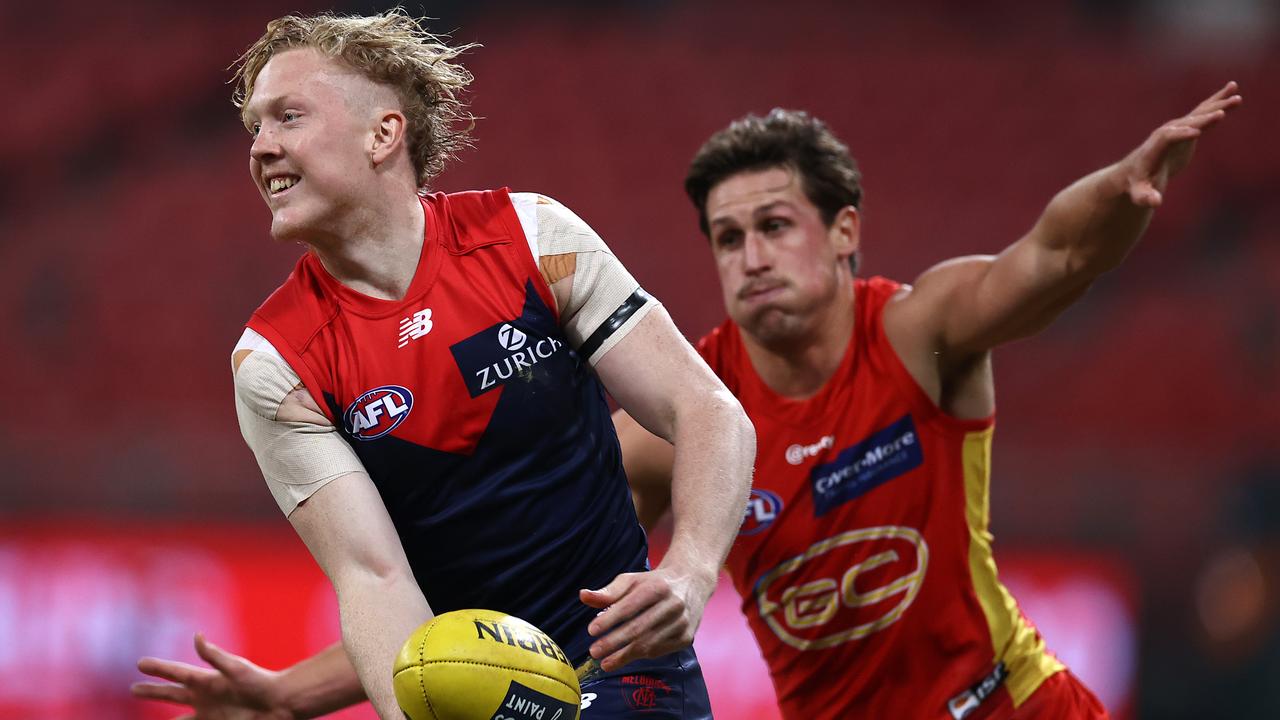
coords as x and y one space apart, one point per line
486 434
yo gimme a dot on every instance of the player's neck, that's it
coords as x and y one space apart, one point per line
797 368
378 253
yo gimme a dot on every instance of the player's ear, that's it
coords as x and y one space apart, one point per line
845 231
388 135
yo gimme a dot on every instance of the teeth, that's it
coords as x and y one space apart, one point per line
282 183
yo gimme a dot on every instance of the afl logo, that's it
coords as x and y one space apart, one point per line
762 509
378 412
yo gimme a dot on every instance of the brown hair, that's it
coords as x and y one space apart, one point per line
391 49
792 139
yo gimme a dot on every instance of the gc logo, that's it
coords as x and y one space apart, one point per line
800 614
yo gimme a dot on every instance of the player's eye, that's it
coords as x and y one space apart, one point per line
772 225
728 238
254 129
289 116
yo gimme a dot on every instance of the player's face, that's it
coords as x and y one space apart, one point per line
780 265
309 153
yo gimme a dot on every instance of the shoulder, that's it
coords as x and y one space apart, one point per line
296 309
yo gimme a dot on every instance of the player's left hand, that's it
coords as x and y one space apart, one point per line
647 614
1169 148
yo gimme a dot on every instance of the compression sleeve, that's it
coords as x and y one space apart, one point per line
605 302
296 458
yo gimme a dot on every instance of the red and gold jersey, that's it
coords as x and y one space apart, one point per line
864 561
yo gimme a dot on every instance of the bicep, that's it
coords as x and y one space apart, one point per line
346 527
969 305
653 370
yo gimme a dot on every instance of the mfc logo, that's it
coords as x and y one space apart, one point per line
378 412
845 587
762 509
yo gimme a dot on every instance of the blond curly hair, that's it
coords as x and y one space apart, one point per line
391 49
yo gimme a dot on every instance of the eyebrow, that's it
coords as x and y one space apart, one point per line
756 213
268 105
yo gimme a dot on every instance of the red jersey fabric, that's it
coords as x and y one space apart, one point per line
864 561
487 436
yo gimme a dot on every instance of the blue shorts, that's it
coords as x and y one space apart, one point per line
668 687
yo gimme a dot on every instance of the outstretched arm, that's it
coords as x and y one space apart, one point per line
236 689
970 305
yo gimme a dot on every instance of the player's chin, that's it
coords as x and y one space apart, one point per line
771 325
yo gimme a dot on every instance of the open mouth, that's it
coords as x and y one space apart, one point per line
279 185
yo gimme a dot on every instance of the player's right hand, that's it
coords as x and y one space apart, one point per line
234 689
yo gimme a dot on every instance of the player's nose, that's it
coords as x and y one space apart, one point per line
265 146
755 253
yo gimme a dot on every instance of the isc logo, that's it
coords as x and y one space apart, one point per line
378 412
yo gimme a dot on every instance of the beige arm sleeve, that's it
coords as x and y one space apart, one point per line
296 458
605 302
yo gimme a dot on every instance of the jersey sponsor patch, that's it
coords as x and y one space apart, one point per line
508 351
883 456
378 412
763 508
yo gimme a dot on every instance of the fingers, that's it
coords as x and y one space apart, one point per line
1226 90
1224 99
221 660
178 672
162 691
609 594
657 631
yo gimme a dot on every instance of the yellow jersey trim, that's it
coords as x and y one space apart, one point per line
1016 642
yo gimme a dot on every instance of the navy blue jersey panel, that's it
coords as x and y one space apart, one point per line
540 509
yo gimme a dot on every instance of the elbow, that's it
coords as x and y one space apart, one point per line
383 576
734 427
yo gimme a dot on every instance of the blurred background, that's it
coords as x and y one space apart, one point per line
1136 493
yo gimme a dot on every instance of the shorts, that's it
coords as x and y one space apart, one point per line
667 687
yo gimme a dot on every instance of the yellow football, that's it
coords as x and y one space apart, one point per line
484 665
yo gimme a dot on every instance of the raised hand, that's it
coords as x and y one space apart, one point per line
1169 148
646 614
234 689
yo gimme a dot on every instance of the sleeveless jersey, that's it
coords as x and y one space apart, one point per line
864 560
487 436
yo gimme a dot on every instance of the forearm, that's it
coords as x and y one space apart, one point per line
378 615
715 448
321 684
1091 225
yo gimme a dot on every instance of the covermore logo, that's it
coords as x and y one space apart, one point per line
881 457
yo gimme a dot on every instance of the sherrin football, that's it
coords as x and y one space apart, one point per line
484 665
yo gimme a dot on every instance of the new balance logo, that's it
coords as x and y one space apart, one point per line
415 326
